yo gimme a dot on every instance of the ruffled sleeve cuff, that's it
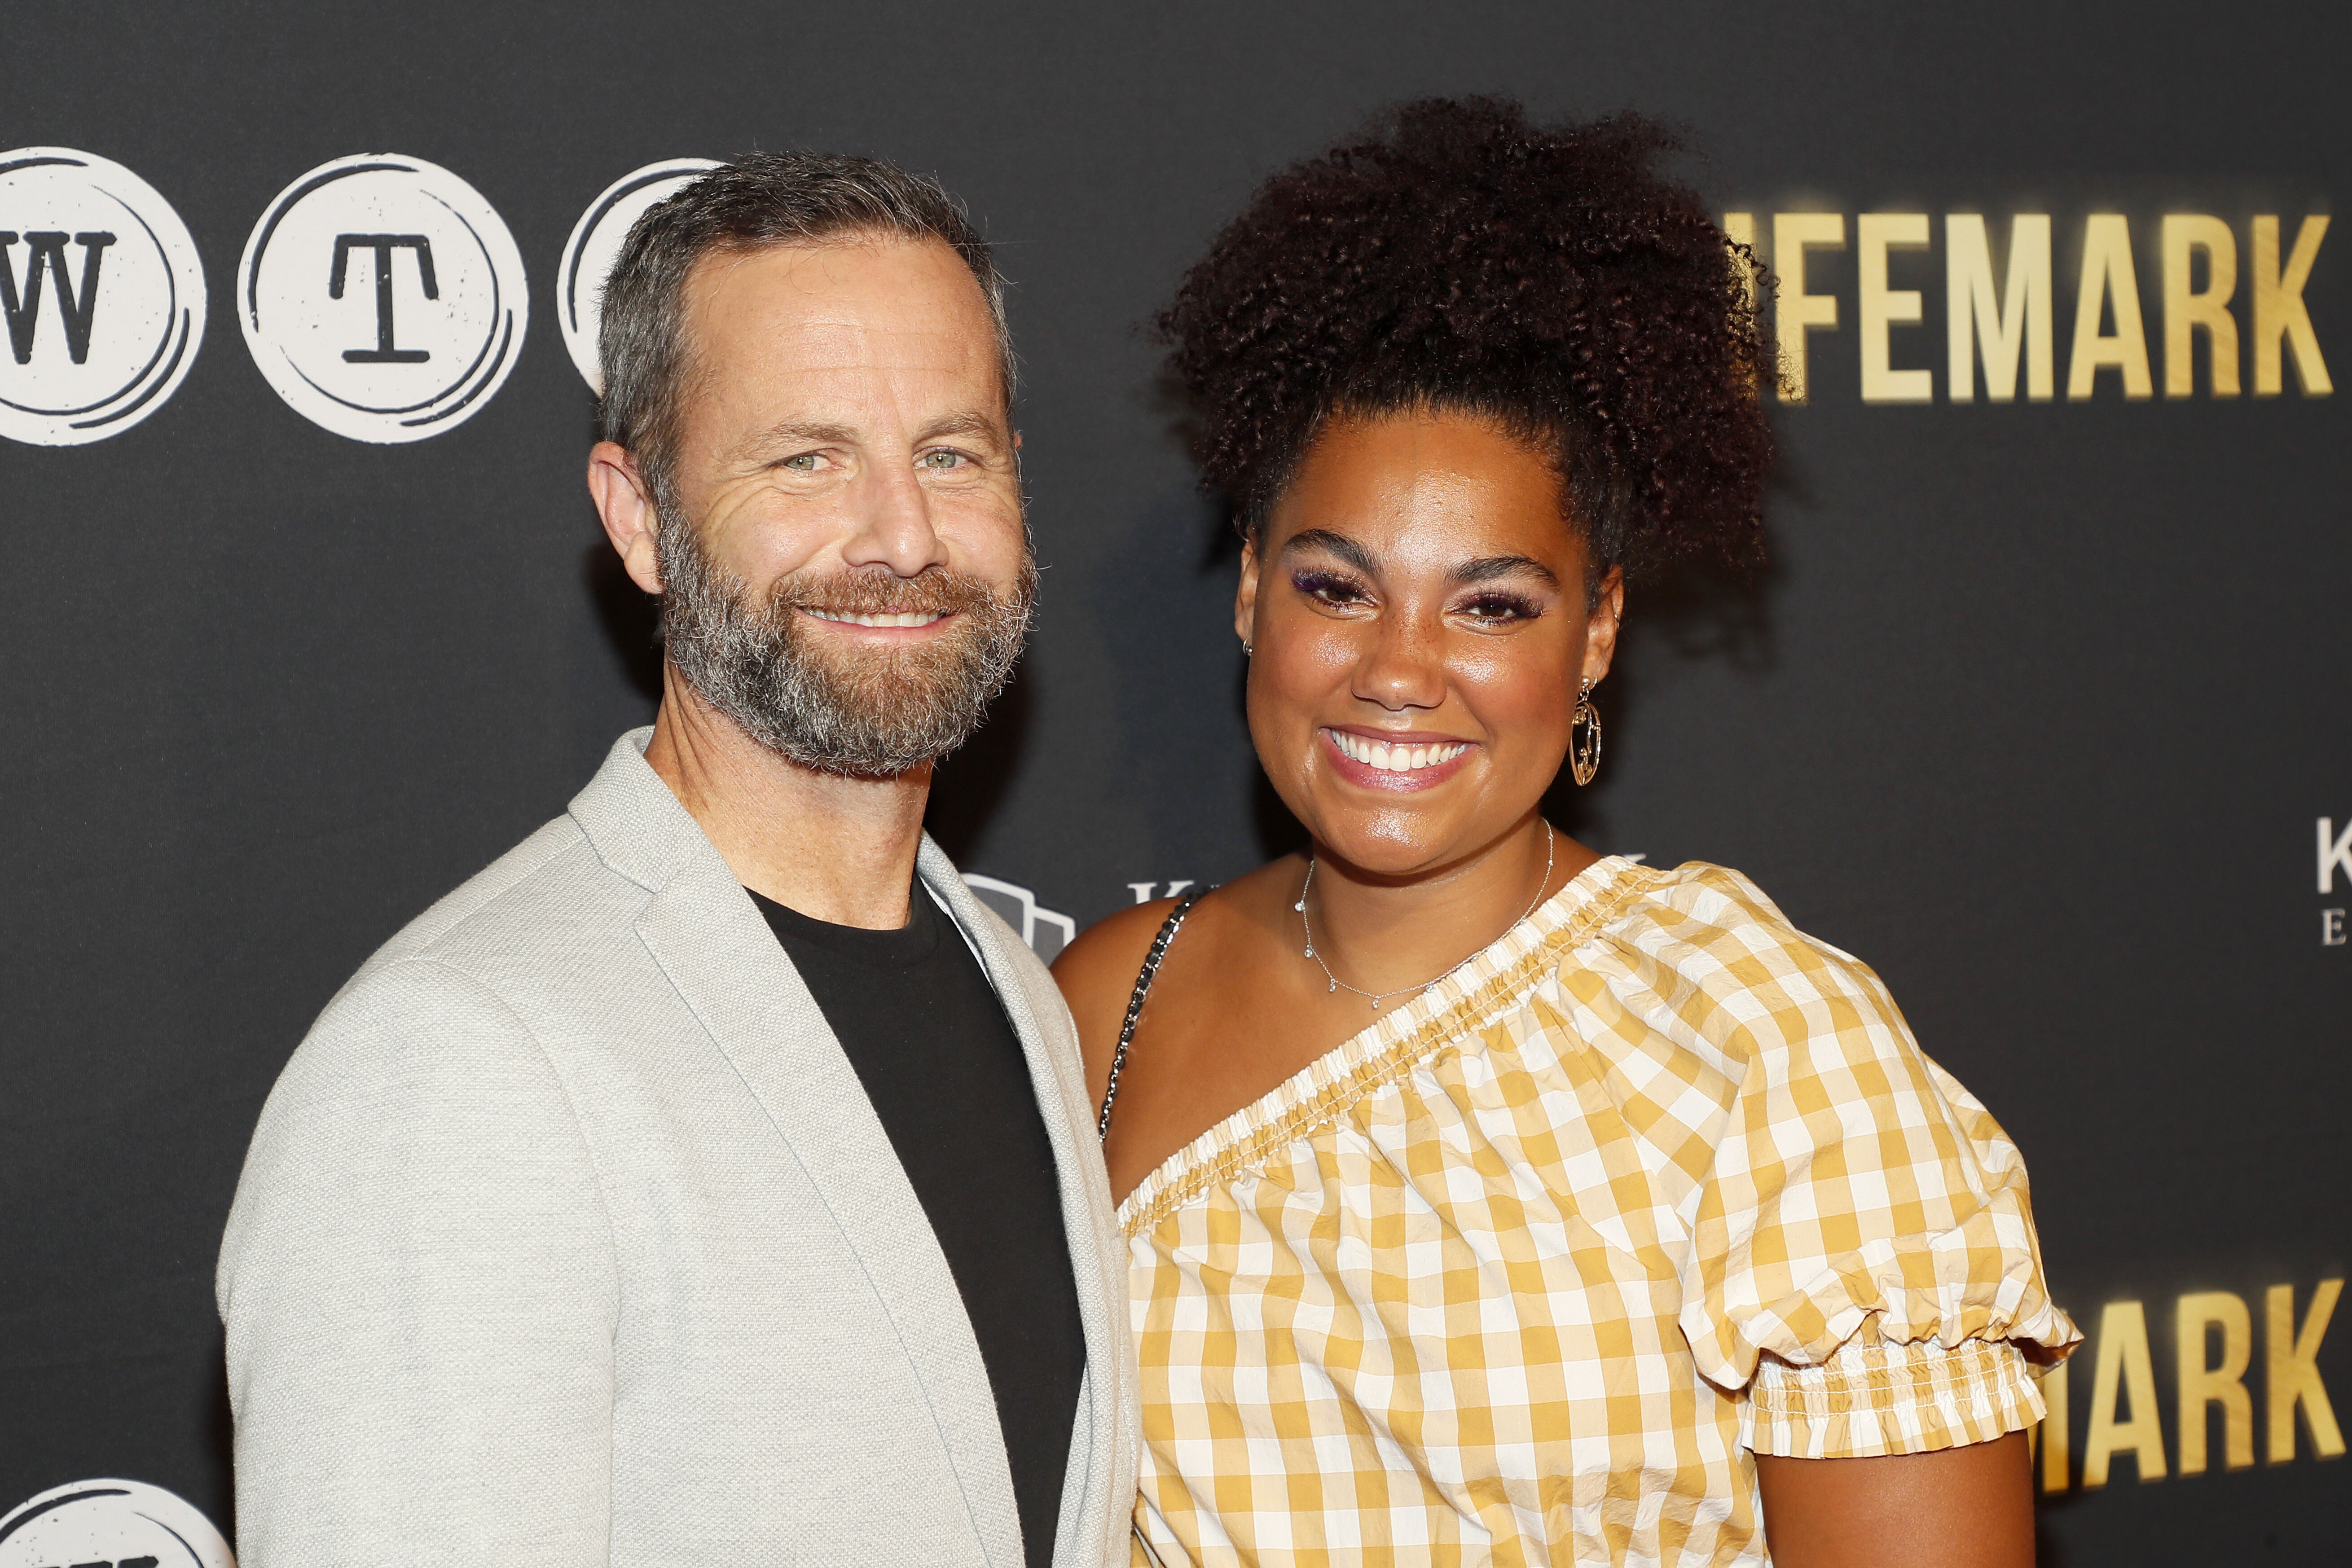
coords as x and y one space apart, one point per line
1876 1398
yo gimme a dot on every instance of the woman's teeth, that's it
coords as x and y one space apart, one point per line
897 618
1396 759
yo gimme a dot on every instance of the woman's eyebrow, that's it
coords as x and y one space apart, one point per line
1487 568
1332 543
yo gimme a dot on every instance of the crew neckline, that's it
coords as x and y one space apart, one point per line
907 945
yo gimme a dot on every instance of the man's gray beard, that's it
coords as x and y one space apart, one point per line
861 713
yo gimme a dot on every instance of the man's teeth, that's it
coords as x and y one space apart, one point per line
1396 759
896 618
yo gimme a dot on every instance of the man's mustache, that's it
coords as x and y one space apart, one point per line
883 592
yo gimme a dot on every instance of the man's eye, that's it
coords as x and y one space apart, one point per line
942 460
804 464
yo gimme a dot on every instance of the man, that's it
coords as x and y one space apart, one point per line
711 1179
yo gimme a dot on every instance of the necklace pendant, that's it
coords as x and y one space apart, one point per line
1332 988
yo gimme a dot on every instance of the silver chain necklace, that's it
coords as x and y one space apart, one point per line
1377 997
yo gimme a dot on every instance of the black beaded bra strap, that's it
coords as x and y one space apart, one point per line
1135 1002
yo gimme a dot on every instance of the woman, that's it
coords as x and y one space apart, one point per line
1490 1200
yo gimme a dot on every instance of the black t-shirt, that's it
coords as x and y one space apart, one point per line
919 1021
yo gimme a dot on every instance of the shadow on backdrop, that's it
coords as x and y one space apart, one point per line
631 618
1688 614
2050 1549
969 785
216 1442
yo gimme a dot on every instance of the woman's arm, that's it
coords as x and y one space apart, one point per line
1957 1508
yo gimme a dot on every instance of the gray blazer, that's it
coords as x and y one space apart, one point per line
569 1236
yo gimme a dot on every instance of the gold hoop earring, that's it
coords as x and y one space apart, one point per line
1584 750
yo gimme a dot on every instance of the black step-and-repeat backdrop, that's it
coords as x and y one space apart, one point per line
2040 707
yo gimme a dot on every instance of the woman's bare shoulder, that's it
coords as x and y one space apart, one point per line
1097 972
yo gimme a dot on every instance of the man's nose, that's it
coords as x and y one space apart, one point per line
892 525
1404 664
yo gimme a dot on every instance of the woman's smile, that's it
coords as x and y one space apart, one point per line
1395 761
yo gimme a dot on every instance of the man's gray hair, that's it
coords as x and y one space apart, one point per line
759 200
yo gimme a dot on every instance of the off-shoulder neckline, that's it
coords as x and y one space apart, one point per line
1323 1087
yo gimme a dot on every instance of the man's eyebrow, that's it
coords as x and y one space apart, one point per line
793 433
971 422
1487 568
797 434
1332 543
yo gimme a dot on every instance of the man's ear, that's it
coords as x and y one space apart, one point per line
1246 597
626 506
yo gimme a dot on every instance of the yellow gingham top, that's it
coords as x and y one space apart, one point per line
1528 1269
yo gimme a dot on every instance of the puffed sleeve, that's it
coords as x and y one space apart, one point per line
1862 1259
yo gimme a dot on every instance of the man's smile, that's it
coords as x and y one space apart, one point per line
880 618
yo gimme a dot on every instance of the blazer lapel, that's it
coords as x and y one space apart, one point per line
714 947
1102 1478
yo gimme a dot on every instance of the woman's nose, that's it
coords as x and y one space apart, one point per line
1405 665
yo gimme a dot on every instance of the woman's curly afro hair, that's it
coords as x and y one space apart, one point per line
1456 256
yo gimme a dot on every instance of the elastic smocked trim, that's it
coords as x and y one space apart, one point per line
1873 1398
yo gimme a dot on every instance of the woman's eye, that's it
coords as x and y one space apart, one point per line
1499 608
1328 588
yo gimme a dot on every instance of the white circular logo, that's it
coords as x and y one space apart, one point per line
382 297
103 295
595 244
110 1524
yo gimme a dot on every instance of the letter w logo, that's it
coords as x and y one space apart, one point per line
24 311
